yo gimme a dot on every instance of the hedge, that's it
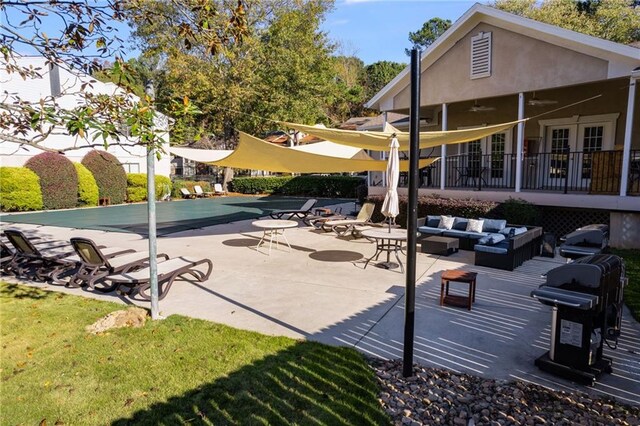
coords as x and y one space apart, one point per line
58 180
315 186
87 187
137 187
109 174
258 184
189 184
19 190
440 206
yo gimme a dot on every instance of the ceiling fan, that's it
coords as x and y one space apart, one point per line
534 101
480 108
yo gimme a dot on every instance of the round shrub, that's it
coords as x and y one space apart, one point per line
137 187
87 187
109 174
58 180
19 190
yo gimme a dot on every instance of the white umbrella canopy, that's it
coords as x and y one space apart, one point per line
390 206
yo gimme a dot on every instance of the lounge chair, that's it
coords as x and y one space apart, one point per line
345 226
200 193
96 265
44 257
319 218
300 213
217 189
168 271
186 193
6 257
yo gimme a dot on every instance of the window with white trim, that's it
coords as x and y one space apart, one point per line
481 55
131 167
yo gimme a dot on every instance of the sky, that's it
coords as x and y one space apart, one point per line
378 30
373 30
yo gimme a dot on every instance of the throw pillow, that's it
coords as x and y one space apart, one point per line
433 221
492 239
474 225
446 222
493 225
460 223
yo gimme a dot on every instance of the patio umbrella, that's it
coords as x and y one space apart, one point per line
390 207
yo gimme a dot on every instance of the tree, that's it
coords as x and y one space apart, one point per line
282 70
615 20
430 31
378 74
85 38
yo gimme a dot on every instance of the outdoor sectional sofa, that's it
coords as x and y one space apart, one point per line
497 245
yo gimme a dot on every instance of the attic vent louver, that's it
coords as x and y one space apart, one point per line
481 55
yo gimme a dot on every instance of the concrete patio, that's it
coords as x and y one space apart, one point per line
320 291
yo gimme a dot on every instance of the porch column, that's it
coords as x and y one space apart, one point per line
626 150
443 150
519 142
383 154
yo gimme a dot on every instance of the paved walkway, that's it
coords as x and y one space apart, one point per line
320 291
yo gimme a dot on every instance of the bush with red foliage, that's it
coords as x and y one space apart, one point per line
109 174
58 180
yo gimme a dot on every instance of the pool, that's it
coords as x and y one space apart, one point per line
173 216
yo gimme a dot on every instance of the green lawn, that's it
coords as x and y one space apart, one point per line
632 291
175 371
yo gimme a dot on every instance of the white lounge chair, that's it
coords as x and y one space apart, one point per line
186 193
200 193
217 189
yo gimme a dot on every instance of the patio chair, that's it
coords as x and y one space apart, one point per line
343 227
45 258
217 189
300 213
200 193
186 193
96 265
168 271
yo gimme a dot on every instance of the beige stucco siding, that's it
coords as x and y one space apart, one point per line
519 64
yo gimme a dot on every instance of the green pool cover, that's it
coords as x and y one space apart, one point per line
173 216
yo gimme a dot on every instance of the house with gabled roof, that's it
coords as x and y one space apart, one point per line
579 148
64 86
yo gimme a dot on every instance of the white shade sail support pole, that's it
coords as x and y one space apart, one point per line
443 150
519 142
626 149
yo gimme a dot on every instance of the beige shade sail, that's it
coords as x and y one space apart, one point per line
379 141
333 150
201 155
255 154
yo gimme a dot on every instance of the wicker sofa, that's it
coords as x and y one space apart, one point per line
498 245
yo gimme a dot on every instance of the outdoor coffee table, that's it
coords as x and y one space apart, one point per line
440 245
273 228
389 241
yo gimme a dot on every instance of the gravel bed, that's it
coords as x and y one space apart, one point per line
439 397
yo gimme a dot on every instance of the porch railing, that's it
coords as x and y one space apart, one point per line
596 172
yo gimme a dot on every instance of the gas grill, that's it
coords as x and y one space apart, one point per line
586 301
585 241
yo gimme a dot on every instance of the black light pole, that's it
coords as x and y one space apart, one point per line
412 214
